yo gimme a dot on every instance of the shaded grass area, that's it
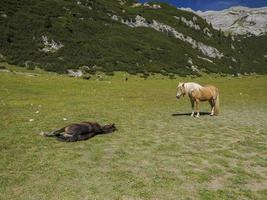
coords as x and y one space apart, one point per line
158 153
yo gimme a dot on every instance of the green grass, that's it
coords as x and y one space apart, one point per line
153 155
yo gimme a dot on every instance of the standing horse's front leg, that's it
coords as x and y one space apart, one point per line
192 105
197 107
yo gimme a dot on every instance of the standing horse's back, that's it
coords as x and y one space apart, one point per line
209 92
214 89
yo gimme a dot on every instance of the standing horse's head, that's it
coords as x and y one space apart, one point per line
180 90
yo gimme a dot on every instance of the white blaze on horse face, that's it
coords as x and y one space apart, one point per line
180 90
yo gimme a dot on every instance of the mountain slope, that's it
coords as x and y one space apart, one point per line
238 20
118 35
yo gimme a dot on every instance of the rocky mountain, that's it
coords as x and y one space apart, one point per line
238 20
121 35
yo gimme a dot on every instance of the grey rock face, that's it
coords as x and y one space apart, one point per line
238 20
76 74
50 46
139 21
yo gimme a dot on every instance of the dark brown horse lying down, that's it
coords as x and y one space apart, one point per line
80 131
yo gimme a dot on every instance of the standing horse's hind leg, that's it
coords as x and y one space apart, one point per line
192 105
197 107
212 104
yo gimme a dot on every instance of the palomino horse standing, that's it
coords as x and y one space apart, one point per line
199 93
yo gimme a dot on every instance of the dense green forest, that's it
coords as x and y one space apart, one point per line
57 35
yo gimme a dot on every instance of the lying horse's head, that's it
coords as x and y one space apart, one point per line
109 128
180 90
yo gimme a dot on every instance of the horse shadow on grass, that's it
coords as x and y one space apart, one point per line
188 114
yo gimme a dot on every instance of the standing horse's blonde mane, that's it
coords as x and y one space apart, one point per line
190 86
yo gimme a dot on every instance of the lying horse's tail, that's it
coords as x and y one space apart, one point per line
217 104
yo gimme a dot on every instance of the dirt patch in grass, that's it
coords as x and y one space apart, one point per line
220 182
257 186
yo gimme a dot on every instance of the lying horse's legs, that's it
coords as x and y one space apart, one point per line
192 105
75 136
54 133
197 107
86 136
67 138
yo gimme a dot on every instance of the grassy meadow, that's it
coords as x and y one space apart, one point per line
155 154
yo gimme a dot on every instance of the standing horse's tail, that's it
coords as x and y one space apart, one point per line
217 104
